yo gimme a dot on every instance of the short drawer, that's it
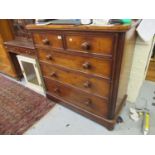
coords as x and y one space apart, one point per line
87 102
90 65
97 44
87 83
48 39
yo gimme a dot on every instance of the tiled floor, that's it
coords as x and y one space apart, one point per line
61 120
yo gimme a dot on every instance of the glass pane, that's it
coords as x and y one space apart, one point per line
30 72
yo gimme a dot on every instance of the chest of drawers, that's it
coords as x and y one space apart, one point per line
86 68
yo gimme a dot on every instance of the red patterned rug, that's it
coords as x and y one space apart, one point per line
20 107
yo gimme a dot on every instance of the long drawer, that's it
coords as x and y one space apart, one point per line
89 84
88 102
90 65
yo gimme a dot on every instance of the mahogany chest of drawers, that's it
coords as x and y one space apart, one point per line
84 67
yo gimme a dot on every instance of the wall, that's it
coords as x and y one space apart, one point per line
139 67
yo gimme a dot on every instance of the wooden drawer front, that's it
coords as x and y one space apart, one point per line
21 50
48 39
99 44
89 65
90 103
89 84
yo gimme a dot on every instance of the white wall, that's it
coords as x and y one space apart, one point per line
141 59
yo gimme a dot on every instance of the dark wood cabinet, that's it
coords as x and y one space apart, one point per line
86 67
6 63
22 42
14 39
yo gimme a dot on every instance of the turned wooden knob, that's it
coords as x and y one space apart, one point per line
49 57
88 102
87 84
85 46
86 65
57 90
53 74
46 41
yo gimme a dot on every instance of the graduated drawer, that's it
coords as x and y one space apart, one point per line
97 44
88 102
87 83
48 40
85 64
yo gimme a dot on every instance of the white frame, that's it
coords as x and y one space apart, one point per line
38 88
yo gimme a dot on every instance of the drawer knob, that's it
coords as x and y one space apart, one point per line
57 90
86 65
53 74
46 41
87 84
88 102
85 46
49 57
